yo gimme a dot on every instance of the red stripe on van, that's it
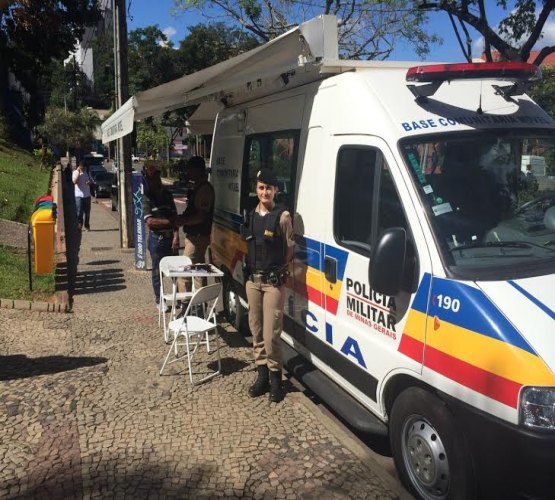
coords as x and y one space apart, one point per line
412 348
493 386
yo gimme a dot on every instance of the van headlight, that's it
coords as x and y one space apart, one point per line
537 407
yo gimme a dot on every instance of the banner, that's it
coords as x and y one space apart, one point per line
138 221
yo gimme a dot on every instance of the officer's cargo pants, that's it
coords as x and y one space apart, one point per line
266 322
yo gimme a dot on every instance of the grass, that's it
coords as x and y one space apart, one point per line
15 277
21 182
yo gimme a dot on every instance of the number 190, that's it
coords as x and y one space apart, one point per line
446 302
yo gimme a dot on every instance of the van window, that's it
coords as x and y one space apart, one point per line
278 151
357 209
490 199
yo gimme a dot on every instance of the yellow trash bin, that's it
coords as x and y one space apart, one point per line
42 222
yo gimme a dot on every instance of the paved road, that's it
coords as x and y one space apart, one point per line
84 413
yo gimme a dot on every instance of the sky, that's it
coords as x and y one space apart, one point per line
148 12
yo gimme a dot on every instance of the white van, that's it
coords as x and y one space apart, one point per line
422 291
423 282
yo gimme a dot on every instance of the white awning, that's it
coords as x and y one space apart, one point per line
120 123
238 78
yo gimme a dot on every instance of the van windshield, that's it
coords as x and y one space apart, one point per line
490 197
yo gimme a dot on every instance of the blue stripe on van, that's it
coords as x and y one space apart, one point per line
534 300
476 312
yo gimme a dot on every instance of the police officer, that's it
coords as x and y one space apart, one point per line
159 213
270 248
197 218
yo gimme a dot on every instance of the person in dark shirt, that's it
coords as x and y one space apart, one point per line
197 218
159 213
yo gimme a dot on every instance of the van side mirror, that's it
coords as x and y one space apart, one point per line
387 263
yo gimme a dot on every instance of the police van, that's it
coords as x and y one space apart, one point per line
422 290
423 280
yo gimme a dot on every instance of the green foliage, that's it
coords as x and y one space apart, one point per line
69 129
68 86
207 45
33 33
543 92
368 29
151 59
45 156
151 137
103 50
21 182
15 277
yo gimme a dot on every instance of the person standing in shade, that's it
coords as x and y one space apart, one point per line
82 183
269 250
197 217
159 214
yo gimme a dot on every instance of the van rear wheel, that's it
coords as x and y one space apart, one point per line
430 453
234 311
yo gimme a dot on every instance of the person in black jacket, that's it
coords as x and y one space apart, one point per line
269 250
197 217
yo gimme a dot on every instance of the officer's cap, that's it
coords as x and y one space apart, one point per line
267 176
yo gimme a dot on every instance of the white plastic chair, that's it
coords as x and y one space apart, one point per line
167 265
195 329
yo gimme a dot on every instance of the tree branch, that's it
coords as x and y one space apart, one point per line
504 48
536 32
543 54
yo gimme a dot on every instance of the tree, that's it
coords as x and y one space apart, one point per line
70 130
151 59
32 33
368 29
516 35
67 85
104 84
207 45
151 137
543 92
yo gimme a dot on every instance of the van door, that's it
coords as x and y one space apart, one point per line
364 327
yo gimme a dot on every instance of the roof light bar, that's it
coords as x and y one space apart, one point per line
498 70
434 75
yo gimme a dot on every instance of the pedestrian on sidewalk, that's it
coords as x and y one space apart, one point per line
269 250
82 183
159 212
197 217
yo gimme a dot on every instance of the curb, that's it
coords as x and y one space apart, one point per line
29 305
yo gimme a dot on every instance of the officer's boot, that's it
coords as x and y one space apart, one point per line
276 387
261 384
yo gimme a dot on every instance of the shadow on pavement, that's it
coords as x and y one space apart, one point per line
229 365
101 262
97 281
20 366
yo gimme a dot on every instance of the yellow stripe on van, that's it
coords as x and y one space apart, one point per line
489 354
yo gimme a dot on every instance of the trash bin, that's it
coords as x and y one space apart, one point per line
42 223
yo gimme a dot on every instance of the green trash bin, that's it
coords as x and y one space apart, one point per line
42 223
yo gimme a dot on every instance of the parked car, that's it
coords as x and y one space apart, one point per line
102 184
136 158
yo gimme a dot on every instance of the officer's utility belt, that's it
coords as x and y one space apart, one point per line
274 278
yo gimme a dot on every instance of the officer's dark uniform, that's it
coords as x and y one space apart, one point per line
197 236
268 238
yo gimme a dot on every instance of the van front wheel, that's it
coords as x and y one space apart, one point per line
234 311
429 452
